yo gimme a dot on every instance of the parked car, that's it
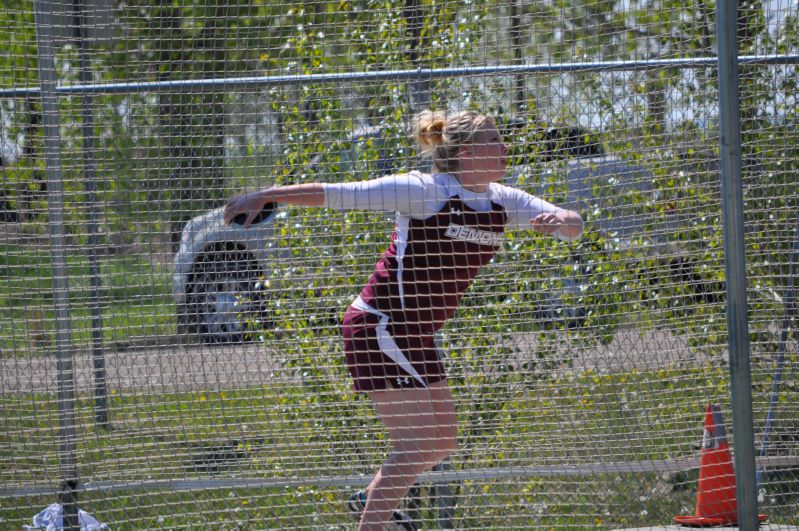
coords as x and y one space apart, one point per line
217 275
582 177
616 196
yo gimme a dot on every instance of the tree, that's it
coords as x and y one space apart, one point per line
24 187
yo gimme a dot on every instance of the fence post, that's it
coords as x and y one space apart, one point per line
737 320
65 371
90 187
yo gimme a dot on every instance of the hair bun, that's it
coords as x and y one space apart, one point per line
430 129
441 136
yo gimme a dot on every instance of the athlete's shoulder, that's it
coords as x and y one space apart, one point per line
504 194
429 178
415 178
436 184
415 181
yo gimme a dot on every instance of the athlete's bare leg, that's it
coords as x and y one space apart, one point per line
422 426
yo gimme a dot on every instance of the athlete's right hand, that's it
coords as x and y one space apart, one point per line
247 205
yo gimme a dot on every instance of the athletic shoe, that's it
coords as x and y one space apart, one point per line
399 520
357 503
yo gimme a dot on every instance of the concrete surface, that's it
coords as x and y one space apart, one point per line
172 367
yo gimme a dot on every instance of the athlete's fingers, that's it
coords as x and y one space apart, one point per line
232 209
228 214
231 212
546 223
238 207
545 217
243 217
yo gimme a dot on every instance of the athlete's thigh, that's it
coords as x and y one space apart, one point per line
421 417
409 415
444 408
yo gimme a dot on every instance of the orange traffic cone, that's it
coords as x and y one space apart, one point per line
715 502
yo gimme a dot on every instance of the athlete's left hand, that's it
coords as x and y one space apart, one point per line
547 223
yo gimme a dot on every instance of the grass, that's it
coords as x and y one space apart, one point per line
135 298
284 431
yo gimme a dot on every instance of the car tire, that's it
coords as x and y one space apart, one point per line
223 300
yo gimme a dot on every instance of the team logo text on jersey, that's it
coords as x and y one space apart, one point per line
472 235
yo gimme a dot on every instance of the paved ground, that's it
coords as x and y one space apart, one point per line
175 368
186 368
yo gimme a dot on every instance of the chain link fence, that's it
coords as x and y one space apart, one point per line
160 369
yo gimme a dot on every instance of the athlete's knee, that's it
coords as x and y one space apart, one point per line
412 463
442 449
447 437
445 447
406 463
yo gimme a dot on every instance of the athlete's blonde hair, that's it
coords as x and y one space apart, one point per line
441 135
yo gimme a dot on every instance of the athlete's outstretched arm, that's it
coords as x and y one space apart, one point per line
527 211
405 193
311 194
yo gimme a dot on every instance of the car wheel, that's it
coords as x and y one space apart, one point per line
224 304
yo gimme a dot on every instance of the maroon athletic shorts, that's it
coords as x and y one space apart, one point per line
385 355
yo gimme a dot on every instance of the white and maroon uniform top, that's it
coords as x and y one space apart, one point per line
444 233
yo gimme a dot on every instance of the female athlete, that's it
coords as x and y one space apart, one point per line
449 223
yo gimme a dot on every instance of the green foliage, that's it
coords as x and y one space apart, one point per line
18 61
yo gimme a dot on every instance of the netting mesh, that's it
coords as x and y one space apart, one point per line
160 369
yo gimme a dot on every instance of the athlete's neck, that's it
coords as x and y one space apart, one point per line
472 186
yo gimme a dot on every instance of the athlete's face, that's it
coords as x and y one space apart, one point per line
484 160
